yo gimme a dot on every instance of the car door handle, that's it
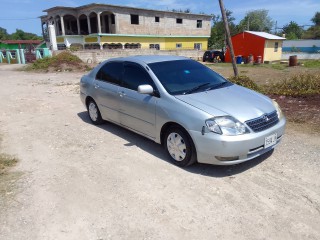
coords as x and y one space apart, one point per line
96 86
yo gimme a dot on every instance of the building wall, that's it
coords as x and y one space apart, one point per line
147 24
245 44
166 43
97 56
269 53
166 26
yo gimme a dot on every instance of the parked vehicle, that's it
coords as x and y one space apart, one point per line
195 113
213 56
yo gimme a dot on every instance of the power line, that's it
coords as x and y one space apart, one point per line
17 19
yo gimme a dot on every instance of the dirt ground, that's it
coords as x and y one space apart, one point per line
75 180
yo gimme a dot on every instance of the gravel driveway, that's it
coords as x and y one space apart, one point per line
78 181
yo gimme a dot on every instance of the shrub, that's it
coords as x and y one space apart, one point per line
245 81
58 62
298 85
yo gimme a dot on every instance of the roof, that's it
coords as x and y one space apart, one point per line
21 41
118 6
266 35
150 58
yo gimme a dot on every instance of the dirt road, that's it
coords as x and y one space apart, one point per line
78 181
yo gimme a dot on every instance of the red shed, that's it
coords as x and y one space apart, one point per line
257 44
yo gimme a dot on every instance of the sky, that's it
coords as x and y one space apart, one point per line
23 14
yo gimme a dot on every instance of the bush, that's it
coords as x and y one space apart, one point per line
59 62
298 85
245 81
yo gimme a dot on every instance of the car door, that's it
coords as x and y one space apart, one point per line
138 111
106 93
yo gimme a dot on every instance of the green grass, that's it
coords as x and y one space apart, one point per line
311 63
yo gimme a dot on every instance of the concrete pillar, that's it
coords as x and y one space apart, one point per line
99 22
53 37
62 26
89 25
78 25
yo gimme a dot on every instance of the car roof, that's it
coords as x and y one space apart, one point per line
149 58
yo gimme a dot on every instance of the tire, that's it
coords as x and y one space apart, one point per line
94 113
179 147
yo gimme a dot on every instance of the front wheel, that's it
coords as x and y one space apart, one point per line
94 113
180 147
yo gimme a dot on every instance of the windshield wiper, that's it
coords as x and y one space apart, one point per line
217 85
192 90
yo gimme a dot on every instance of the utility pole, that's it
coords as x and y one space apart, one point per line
229 42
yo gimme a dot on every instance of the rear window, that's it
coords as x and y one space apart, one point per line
111 72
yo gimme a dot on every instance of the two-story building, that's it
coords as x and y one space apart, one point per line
109 27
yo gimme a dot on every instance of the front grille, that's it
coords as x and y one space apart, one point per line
264 122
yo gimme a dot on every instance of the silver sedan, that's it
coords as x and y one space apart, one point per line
195 113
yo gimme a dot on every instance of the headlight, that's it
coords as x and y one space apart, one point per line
279 112
226 125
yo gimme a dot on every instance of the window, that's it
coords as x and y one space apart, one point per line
135 76
113 19
111 72
134 19
157 19
179 21
154 46
276 46
198 46
179 45
199 23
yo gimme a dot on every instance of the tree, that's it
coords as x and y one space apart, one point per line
293 31
314 31
21 35
218 35
316 19
256 20
3 34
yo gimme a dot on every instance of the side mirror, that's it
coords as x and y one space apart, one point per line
145 89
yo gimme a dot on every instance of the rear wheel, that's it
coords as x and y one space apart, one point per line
180 147
94 113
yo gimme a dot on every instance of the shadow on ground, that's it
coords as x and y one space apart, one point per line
158 151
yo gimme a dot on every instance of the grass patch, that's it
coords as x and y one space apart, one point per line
312 64
6 161
278 66
297 86
245 81
64 61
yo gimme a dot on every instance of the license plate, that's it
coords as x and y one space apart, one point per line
270 140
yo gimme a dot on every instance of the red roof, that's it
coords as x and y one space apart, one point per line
21 41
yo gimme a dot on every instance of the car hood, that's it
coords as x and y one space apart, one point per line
239 102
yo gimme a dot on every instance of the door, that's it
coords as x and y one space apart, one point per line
106 90
138 111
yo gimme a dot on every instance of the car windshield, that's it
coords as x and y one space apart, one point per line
186 76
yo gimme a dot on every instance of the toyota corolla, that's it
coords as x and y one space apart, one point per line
195 113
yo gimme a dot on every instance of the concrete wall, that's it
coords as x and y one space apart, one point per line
286 55
97 56
310 46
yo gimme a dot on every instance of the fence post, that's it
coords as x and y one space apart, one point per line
23 58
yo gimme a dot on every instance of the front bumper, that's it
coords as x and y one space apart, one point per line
245 147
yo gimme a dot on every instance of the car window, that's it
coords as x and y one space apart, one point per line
134 75
186 76
111 72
